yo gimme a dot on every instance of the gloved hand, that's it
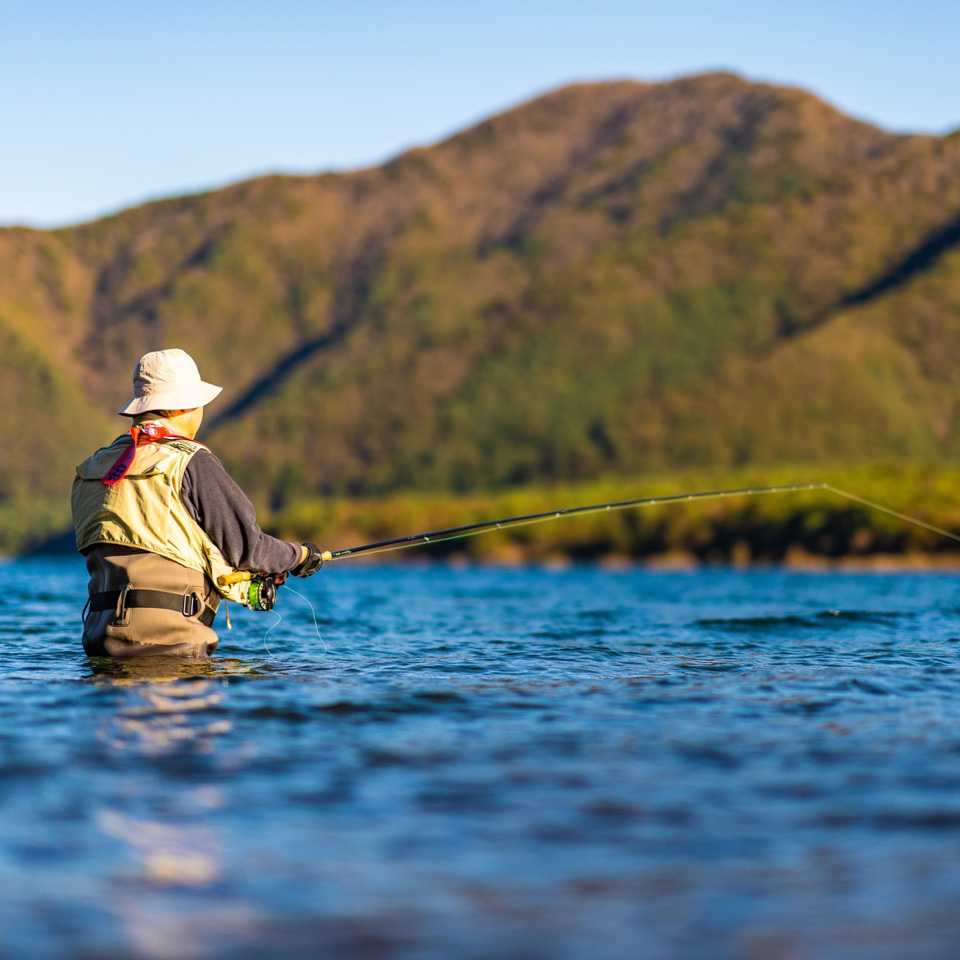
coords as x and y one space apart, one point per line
312 563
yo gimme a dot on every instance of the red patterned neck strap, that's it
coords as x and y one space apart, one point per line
140 433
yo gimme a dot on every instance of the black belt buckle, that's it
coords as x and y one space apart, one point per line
191 606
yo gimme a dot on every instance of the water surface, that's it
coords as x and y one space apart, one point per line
493 763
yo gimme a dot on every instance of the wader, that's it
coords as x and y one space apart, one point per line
145 605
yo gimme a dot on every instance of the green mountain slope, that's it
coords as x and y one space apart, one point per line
613 278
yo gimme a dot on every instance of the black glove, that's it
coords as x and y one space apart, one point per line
312 564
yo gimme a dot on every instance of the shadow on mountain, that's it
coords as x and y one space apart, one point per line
282 369
921 258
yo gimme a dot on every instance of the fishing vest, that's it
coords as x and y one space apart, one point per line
145 511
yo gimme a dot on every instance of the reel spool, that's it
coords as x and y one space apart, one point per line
261 594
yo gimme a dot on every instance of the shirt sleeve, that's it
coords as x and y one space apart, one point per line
216 502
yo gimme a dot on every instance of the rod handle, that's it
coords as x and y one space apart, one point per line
238 576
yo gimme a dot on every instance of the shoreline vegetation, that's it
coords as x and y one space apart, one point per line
816 530
808 530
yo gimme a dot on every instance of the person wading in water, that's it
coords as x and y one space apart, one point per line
159 520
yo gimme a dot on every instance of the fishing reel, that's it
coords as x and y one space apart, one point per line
261 593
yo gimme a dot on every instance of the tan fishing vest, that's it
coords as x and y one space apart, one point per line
144 510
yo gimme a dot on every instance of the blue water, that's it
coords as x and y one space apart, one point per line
493 763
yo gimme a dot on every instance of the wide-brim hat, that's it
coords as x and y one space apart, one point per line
168 380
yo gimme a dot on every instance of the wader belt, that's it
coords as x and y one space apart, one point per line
189 604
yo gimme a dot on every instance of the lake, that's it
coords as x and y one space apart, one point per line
487 763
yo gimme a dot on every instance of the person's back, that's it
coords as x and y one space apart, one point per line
160 521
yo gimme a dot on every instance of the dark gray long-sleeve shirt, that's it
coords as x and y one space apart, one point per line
227 516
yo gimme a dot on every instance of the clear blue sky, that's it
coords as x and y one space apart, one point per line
104 104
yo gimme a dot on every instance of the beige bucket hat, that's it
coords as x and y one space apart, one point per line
168 380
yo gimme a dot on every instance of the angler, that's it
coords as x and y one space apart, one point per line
165 530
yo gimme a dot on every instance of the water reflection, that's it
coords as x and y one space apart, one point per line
168 854
163 715
170 715
170 701
159 669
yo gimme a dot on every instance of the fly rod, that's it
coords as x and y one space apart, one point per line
507 523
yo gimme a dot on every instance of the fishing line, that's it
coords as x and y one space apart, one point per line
893 513
276 623
313 612
273 626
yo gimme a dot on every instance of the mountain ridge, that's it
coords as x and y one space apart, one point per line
612 277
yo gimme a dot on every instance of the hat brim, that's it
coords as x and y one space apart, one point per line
183 398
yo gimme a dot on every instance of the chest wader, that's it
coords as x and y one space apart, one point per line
153 569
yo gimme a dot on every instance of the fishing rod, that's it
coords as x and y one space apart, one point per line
508 523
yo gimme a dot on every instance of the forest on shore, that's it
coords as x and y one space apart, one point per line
808 529
811 530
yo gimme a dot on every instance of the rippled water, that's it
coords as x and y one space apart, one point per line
494 763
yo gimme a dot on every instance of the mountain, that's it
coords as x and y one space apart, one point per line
611 279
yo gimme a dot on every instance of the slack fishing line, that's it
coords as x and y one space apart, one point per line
507 523
276 623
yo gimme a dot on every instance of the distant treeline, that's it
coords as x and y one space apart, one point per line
807 528
801 528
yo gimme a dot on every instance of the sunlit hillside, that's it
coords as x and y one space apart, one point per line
611 280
